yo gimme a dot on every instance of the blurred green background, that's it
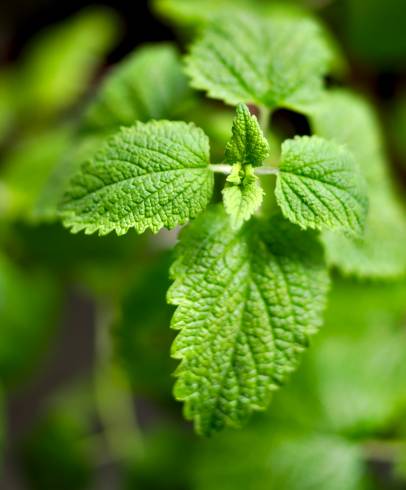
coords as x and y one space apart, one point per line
85 373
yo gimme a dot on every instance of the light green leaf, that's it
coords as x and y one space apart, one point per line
349 120
359 362
61 61
196 12
248 302
46 208
216 121
352 381
319 185
148 84
26 169
380 253
265 458
276 61
242 195
247 146
150 175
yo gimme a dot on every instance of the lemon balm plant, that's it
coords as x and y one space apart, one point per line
286 230
251 272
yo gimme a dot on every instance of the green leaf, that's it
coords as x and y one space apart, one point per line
242 195
148 84
150 175
46 208
247 146
349 120
269 459
28 305
276 61
380 253
359 362
319 185
186 12
62 60
352 380
216 121
248 302
26 169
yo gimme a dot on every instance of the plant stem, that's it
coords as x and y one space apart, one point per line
226 169
266 171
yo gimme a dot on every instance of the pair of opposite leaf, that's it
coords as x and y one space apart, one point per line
158 174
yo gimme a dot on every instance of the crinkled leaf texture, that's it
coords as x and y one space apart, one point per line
248 301
246 149
276 61
150 175
380 252
247 146
132 91
242 198
319 185
148 84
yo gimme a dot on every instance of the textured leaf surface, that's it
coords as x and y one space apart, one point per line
242 195
248 301
319 185
46 208
352 380
276 61
349 120
148 84
150 175
247 146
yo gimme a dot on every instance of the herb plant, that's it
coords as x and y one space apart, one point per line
265 224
